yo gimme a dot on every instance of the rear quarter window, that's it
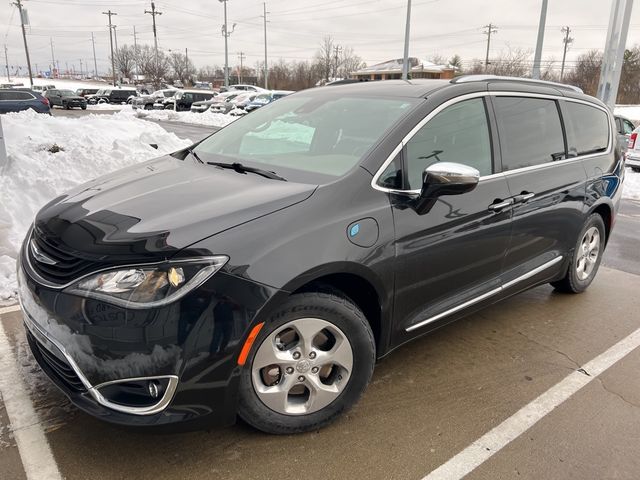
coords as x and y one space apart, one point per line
587 129
530 131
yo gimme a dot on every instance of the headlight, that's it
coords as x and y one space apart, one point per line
148 286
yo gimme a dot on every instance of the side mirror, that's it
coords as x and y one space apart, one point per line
445 178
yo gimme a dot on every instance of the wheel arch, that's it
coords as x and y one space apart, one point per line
605 210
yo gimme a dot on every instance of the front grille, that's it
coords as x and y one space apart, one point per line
67 266
56 365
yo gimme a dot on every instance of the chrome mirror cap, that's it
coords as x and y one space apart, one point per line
452 173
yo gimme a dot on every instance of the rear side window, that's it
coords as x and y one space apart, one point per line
24 96
459 133
530 131
587 129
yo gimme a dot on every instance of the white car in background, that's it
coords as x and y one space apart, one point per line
633 151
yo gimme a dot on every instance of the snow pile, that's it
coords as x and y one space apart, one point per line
631 187
85 148
61 83
109 107
207 118
631 112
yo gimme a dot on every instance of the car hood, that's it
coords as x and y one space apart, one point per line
154 209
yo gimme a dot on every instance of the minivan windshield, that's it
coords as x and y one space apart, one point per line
314 133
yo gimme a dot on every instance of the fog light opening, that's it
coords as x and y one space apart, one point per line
154 389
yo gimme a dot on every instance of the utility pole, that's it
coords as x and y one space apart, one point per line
113 60
23 19
266 70
491 28
135 56
153 14
405 62
537 59
80 68
336 55
186 64
241 56
95 61
53 57
566 40
226 34
6 63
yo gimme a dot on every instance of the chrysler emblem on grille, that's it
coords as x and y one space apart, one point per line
39 256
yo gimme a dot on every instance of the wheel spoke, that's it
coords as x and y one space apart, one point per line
321 395
270 355
341 355
308 329
275 397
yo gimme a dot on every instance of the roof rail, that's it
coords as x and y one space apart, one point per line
482 78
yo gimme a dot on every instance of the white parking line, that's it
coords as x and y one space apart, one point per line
492 442
37 459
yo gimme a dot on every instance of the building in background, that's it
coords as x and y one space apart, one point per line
392 69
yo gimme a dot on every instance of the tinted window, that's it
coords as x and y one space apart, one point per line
392 175
24 96
460 133
627 127
588 129
530 131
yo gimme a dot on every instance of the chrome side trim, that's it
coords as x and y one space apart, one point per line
486 295
453 101
532 273
93 390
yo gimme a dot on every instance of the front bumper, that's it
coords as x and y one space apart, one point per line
191 346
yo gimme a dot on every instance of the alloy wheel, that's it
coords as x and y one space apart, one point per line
588 253
302 366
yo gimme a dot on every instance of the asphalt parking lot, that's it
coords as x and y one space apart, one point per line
541 386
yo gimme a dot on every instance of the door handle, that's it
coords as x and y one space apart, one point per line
523 197
500 204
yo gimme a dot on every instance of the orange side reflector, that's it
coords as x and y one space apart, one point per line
246 348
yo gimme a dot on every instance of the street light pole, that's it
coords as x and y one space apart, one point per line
6 63
95 61
405 63
538 55
266 69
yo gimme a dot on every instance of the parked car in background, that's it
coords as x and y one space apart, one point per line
42 88
249 88
84 92
219 99
266 98
625 128
147 102
65 98
240 103
112 95
632 154
185 98
230 102
13 100
203 86
262 272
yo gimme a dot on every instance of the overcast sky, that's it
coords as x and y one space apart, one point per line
374 28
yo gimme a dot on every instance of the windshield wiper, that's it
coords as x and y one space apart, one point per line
192 151
240 168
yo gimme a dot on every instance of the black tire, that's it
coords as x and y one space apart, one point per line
66 106
84 107
636 169
338 310
571 283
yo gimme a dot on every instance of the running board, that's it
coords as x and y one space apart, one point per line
486 295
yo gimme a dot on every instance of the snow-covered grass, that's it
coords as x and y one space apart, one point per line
89 146
207 118
61 83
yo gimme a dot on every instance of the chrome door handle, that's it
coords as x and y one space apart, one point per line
523 197
496 207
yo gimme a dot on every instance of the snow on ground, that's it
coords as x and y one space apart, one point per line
91 146
60 83
632 112
109 107
631 185
205 118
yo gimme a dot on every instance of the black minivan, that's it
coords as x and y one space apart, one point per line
263 271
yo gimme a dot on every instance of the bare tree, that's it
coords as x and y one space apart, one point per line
125 59
586 73
348 62
181 66
324 58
